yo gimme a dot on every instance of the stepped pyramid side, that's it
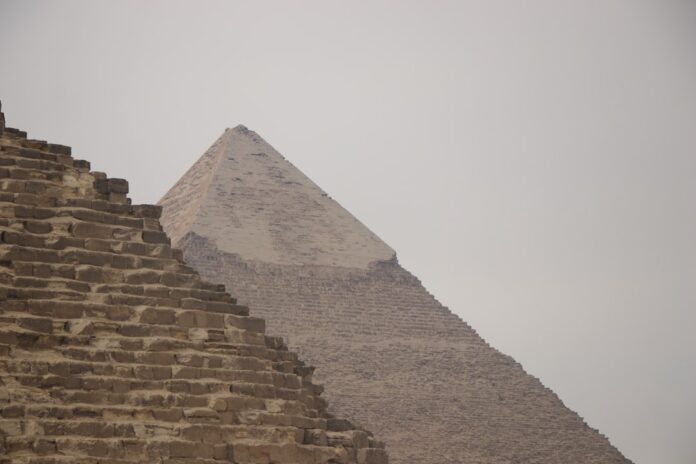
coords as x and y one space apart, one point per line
392 357
114 351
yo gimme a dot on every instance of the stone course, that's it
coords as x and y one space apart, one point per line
114 351
391 356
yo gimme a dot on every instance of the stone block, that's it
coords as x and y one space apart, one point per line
157 316
35 227
339 425
168 415
154 236
147 211
95 274
91 230
58 149
37 324
42 446
12 412
106 186
315 437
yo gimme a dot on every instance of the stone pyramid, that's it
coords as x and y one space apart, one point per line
113 351
391 356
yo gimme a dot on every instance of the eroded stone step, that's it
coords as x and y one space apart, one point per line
50 421
31 148
10 157
75 370
211 324
128 450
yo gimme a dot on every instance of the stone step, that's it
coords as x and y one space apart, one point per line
148 256
182 399
117 269
141 211
208 306
191 359
264 453
10 156
37 192
122 450
145 316
42 148
149 240
12 133
17 295
103 389
60 459
23 173
42 275
81 332
26 194
117 369
162 291
96 421
107 421
32 191
31 341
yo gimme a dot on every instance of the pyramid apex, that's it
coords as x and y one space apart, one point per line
239 128
243 184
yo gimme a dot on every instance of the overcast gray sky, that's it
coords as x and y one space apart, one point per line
534 163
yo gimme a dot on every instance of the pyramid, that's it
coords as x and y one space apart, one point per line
114 351
391 356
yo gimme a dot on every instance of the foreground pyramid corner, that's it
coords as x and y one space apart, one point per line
114 351
391 356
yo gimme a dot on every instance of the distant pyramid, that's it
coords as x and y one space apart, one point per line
114 351
251 201
392 357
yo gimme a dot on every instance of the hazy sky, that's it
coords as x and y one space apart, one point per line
534 163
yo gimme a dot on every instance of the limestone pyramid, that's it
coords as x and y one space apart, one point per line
392 357
113 351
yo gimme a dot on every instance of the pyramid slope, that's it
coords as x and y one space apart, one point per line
393 358
114 351
251 201
185 197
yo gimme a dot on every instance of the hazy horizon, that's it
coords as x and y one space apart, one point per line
532 164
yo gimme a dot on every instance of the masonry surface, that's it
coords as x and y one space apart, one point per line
391 356
114 351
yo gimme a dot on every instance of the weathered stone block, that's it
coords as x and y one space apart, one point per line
35 227
157 316
37 324
154 236
91 230
106 186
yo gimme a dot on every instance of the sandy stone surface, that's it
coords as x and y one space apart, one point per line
251 201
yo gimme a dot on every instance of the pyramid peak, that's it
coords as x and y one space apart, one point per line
217 199
239 128
241 132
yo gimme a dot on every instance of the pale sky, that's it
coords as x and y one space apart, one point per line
533 163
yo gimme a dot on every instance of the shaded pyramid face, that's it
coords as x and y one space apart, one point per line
113 351
392 357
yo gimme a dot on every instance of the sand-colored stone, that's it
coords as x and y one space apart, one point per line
391 356
249 199
114 351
